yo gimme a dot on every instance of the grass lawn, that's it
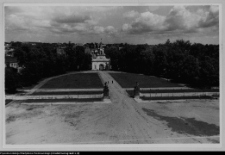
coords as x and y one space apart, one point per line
7 101
174 91
128 80
69 93
63 100
78 80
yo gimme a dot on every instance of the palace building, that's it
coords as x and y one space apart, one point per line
99 61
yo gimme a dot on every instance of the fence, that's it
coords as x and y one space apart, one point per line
27 97
161 88
185 94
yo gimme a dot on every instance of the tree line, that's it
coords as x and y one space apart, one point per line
42 60
194 64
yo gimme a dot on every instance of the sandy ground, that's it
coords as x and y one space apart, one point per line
124 121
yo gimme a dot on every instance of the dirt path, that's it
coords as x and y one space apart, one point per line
128 118
123 121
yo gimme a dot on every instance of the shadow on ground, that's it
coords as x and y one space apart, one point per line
186 125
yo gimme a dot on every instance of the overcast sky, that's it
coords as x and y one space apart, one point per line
114 24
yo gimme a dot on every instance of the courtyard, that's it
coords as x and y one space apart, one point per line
123 121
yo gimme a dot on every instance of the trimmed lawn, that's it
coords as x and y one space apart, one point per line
128 80
174 91
78 80
7 101
69 93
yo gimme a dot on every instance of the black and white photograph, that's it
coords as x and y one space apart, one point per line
105 74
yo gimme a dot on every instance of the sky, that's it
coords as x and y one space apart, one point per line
113 24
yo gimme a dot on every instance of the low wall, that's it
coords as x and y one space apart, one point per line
54 97
68 90
179 94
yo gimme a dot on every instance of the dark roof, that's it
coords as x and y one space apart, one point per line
9 59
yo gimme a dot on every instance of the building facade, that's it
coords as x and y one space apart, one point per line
11 62
99 60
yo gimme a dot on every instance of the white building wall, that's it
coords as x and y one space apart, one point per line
95 65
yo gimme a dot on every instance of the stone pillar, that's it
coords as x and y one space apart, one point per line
136 90
106 91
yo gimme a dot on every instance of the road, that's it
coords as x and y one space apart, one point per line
128 123
124 121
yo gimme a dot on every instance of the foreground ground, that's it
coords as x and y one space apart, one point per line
124 121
